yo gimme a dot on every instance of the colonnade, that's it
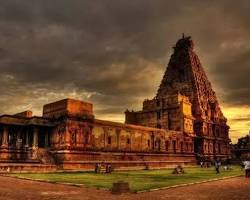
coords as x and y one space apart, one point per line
5 141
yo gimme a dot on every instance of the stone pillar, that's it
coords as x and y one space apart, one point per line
105 131
67 138
35 137
27 139
152 141
5 139
118 131
132 137
66 134
19 140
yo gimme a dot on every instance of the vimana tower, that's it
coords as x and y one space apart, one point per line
185 78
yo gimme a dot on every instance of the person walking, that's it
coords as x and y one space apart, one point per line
217 166
247 168
97 168
201 164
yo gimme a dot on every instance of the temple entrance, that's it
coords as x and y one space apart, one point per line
197 146
41 140
174 146
158 144
12 138
29 138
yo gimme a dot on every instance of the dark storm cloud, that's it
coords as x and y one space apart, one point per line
113 53
234 72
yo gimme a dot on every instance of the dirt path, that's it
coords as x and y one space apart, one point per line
16 189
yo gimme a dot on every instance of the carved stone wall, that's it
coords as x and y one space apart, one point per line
172 112
110 136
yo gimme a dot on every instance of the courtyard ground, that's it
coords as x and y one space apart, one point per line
138 180
228 189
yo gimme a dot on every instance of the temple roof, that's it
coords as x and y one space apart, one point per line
185 75
25 121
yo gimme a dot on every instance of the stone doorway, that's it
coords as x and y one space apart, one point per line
41 140
158 144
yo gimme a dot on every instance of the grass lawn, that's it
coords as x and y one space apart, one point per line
138 180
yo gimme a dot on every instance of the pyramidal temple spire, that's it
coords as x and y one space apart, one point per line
186 75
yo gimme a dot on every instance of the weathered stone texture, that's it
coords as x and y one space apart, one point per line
67 107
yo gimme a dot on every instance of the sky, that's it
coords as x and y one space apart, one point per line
114 53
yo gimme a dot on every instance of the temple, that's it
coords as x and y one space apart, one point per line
181 125
200 118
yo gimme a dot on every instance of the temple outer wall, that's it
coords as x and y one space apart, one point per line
122 145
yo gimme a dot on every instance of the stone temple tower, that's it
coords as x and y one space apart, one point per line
186 77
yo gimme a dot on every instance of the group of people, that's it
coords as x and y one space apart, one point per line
205 164
217 165
103 168
107 167
178 170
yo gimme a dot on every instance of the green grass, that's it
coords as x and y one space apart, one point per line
138 180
